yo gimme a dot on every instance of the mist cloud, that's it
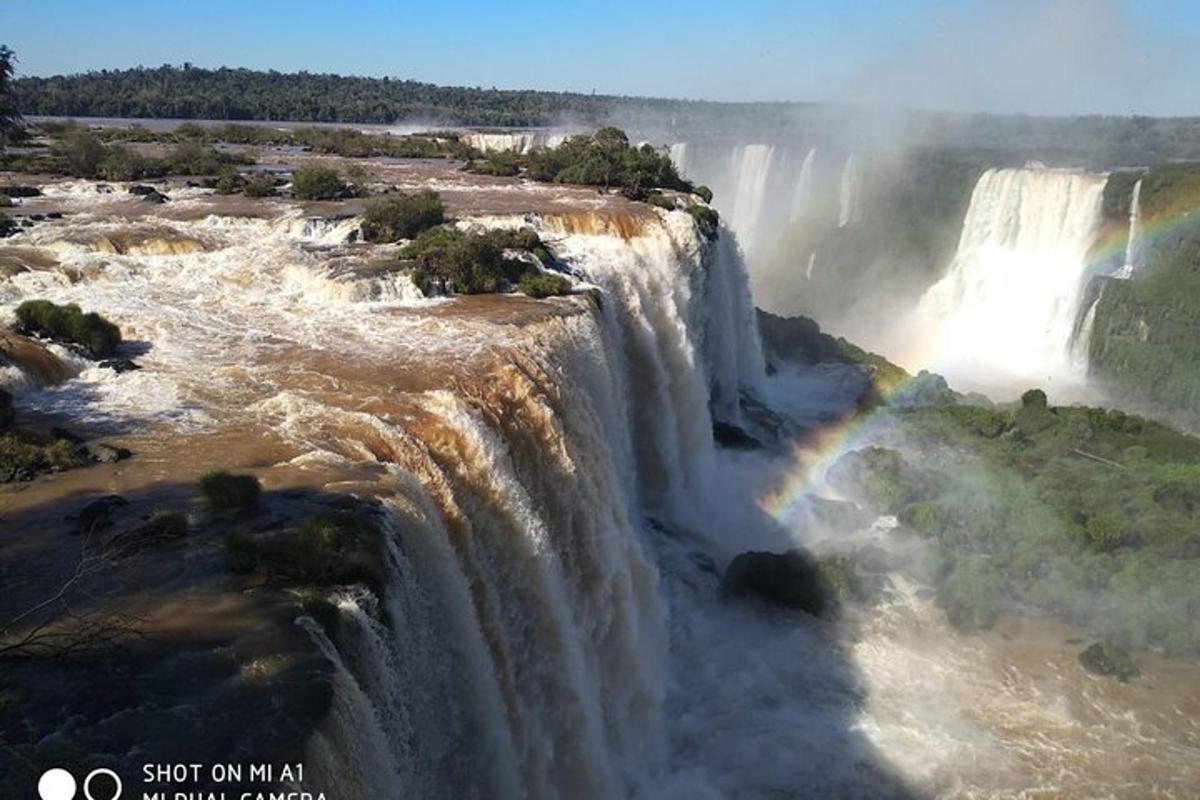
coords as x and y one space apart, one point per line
1038 57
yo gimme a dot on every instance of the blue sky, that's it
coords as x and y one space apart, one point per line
1040 56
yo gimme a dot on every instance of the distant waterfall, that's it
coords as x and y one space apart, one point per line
1007 307
1134 257
751 167
850 197
679 153
802 197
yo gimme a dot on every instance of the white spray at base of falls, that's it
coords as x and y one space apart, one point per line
1006 310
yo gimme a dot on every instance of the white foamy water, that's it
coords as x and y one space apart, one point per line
1006 310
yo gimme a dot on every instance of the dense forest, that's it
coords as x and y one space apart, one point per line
240 94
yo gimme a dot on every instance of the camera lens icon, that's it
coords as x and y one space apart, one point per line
58 784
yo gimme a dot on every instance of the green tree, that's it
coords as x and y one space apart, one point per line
10 117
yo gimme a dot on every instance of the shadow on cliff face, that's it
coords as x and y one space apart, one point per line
764 701
122 649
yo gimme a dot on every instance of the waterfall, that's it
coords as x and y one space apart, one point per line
850 196
523 653
1134 257
1007 307
678 153
751 165
802 196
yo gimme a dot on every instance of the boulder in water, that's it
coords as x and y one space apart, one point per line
102 453
792 579
732 436
119 365
1106 658
21 191
155 197
142 189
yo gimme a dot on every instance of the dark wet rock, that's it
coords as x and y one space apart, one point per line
21 191
142 189
66 435
8 227
727 435
155 197
119 365
37 217
704 562
104 188
792 579
103 453
98 514
54 215
1106 658
926 389
6 410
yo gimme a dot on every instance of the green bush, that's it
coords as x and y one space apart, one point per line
259 185
661 200
449 260
195 158
316 183
704 193
504 165
606 159
81 152
122 164
707 220
228 181
228 493
544 284
69 325
1034 398
328 548
403 216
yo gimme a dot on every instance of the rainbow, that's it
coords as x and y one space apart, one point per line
824 446
813 457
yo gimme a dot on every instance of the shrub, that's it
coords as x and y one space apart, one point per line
122 164
5 201
228 493
191 157
503 165
544 284
317 183
707 220
661 200
1106 658
260 185
403 217
81 151
449 260
1034 398
68 324
228 182
328 548
704 193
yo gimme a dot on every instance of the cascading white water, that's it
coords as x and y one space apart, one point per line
802 196
850 194
751 165
1006 309
679 156
1134 257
